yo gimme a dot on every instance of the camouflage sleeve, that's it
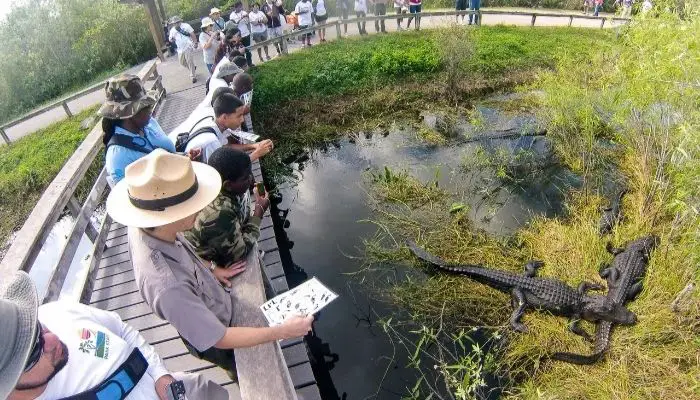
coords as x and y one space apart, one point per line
225 238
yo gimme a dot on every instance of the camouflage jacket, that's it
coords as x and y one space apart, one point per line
224 231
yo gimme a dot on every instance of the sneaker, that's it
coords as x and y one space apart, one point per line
267 58
194 80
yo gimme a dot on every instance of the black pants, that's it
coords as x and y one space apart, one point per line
248 56
361 24
379 9
220 357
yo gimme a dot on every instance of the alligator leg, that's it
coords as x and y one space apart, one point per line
521 305
634 291
604 270
575 327
532 267
614 250
584 287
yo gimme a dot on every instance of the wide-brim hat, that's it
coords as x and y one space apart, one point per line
227 68
125 96
18 313
206 21
214 11
162 188
174 20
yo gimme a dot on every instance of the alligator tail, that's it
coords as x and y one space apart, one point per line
603 330
424 255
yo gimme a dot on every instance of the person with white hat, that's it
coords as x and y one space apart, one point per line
183 35
158 199
219 23
67 350
210 40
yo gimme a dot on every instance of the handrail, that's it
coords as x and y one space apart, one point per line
31 237
336 24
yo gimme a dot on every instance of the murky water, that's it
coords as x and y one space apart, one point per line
326 208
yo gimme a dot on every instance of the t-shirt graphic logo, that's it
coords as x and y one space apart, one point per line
95 342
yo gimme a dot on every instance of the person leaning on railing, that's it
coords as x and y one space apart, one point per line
67 350
159 199
130 132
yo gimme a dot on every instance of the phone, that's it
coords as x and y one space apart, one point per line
175 391
261 188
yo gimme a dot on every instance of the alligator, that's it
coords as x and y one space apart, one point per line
624 277
529 291
611 215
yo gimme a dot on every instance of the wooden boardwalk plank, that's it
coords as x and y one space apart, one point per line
114 291
117 232
266 233
272 257
114 260
113 251
119 302
302 375
112 280
273 271
268 245
113 270
187 363
279 284
160 334
134 311
308 393
117 240
295 355
147 321
171 348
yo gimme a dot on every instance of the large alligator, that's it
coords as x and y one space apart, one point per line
529 291
611 215
624 277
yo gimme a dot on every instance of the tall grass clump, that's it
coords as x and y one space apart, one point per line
633 109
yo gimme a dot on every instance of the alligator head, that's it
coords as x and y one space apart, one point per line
597 308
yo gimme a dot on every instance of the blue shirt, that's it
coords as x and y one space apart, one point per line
118 157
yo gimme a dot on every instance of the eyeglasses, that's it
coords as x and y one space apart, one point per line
37 350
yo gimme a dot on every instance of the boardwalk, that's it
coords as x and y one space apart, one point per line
115 288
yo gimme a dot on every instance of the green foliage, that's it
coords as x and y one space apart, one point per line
29 164
192 9
400 187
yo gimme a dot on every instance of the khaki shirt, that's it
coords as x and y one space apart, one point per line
180 288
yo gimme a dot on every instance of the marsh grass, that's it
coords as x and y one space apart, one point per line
28 165
641 98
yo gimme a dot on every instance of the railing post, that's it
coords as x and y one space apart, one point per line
4 136
337 29
602 22
478 13
571 20
534 17
66 109
283 45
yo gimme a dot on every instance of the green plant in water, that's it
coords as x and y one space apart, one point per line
400 187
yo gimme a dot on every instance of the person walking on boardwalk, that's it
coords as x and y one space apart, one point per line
474 5
461 5
415 7
225 231
321 15
597 6
304 10
275 14
129 130
379 10
258 25
401 7
159 199
65 349
219 23
361 13
185 40
343 10
210 40
239 19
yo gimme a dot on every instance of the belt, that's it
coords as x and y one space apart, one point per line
118 385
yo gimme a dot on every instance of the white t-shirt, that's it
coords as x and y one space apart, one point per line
98 343
304 10
241 18
210 53
361 6
258 21
181 41
321 8
208 142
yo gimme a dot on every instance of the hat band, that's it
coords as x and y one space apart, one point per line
162 204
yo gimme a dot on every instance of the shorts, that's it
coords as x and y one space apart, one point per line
274 32
260 36
321 18
415 8
301 27
461 5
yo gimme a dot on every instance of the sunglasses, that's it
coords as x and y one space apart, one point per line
37 350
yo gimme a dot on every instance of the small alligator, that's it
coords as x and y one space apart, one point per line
529 291
624 277
611 215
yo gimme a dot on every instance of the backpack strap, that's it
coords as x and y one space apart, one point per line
136 143
185 137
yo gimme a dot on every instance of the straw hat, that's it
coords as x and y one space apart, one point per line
18 313
162 188
206 21
214 11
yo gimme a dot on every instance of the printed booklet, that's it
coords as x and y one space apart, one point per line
307 298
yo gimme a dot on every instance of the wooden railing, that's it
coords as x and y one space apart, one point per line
63 102
60 194
282 39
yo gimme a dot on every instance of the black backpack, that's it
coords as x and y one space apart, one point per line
136 143
185 137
